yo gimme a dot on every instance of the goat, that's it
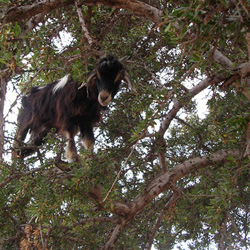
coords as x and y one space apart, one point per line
68 108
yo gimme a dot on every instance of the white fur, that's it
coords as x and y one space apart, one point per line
61 83
42 87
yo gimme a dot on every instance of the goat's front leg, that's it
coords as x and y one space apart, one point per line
71 152
87 135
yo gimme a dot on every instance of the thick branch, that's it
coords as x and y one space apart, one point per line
160 184
178 104
165 180
240 72
20 13
221 59
136 7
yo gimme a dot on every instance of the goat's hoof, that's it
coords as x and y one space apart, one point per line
72 157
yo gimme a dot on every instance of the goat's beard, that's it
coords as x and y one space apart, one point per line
104 98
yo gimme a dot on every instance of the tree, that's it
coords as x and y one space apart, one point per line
159 174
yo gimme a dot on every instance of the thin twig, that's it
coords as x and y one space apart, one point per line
119 173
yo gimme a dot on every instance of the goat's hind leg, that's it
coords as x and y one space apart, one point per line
37 137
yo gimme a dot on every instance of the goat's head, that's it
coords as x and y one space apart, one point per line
108 75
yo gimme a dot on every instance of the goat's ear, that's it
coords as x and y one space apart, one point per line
128 80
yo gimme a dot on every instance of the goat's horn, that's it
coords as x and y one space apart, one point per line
82 85
128 80
91 76
85 84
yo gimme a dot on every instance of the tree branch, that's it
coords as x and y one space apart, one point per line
237 230
119 173
32 23
17 176
160 184
240 72
221 59
111 242
3 84
87 220
179 104
171 202
165 180
20 13
85 31
223 232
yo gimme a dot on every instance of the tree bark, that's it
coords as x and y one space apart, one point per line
20 13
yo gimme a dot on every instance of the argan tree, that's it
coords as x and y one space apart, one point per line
170 165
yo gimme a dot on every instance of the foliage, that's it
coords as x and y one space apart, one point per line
144 140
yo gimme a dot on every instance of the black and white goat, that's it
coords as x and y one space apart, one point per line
68 108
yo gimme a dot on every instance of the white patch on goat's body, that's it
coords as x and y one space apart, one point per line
61 83
42 87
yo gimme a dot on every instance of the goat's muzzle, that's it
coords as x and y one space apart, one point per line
104 97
